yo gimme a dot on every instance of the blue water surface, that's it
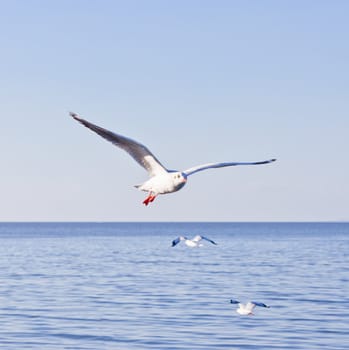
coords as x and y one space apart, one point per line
122 286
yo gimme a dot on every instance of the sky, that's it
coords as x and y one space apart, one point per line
196 82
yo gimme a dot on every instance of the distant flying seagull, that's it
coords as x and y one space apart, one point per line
161 180
246 309
192 243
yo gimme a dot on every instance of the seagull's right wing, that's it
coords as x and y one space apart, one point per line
137 151
177 240
197 168
260 304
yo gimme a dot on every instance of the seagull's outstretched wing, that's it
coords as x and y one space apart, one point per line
198 168
207 239
177 240
259 304
198 238
139 152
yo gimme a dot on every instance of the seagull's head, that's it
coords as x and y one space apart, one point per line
179 179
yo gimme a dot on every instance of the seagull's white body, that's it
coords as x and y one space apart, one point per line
192 243
163 183
247 309
161 180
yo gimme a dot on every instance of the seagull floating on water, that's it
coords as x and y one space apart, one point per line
161 180
192 243
246 309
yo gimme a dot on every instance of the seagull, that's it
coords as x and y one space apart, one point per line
192 243
161 180
246 309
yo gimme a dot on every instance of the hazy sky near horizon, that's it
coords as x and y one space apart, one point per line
196 82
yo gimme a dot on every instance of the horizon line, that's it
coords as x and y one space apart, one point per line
166 221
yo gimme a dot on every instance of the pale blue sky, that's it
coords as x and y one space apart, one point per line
195 81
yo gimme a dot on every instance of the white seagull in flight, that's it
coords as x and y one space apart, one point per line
192 243
161 180
246 309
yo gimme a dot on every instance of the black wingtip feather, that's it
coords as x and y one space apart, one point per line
76 117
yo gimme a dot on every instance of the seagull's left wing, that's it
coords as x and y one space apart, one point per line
198 168
207 239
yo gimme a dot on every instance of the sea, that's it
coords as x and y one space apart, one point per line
91 286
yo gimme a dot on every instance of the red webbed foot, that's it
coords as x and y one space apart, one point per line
152 198
149 199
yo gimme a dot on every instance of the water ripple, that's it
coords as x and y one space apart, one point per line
83 286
